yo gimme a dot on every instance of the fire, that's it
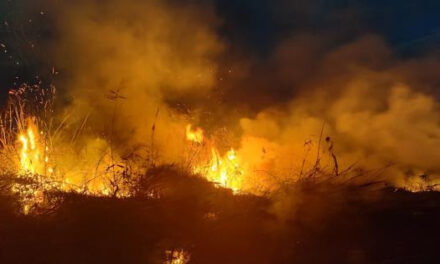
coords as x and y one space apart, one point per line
177 257
194 135
34 152
225 171
33 168
36 174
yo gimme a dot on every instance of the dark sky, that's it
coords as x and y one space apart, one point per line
405 24
410 26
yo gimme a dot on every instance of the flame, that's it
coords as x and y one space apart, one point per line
226 171
41 168
177 257
194 135
33 167
34 152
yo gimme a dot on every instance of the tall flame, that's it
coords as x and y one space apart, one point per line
225 171
34 152
34 165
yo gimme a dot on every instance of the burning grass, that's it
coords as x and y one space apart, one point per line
157 158
47 155
213 207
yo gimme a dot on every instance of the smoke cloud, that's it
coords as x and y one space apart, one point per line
378 111
141 70
124 59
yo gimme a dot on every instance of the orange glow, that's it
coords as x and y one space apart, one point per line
194 135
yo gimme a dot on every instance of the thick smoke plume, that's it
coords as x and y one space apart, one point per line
377 111
141 70
124 59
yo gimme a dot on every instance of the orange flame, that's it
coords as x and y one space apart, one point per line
225 171
34 152
194 135
177 257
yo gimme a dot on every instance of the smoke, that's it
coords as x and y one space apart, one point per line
378 111
124 59
141 70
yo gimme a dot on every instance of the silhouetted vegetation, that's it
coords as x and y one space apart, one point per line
308 222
